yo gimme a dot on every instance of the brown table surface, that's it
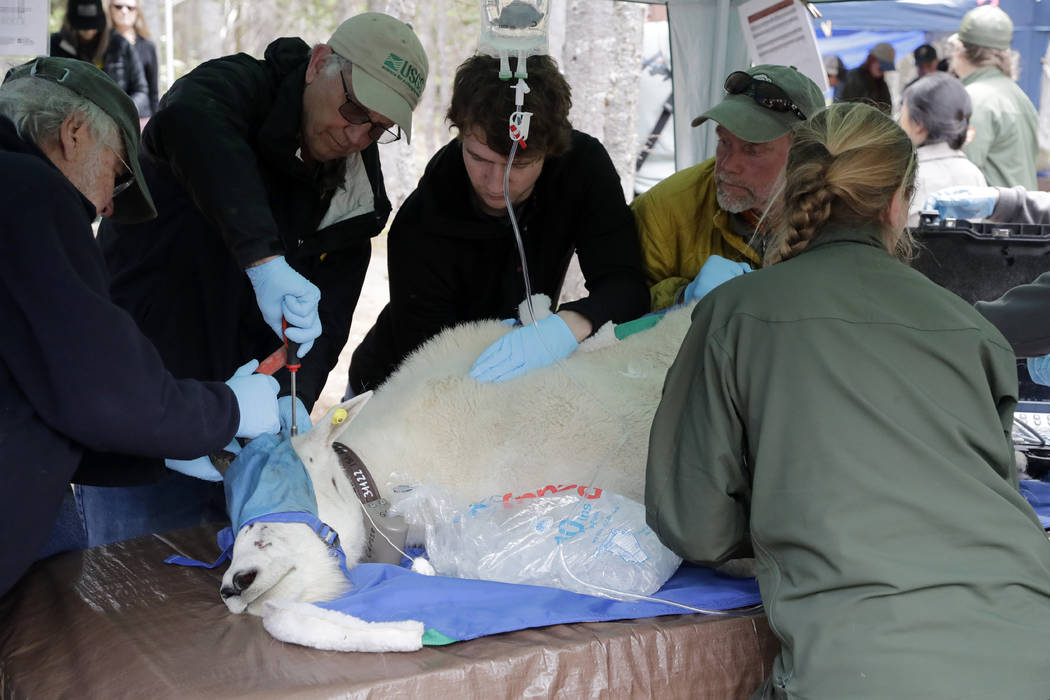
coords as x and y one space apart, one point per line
115 622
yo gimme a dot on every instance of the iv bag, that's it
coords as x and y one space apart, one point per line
514 27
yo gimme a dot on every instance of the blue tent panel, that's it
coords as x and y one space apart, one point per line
853 47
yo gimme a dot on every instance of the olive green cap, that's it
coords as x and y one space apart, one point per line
987 26
135 203
752 122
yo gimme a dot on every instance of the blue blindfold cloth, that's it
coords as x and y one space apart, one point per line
266 478
267 482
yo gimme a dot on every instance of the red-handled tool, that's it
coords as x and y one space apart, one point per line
274 361
292 362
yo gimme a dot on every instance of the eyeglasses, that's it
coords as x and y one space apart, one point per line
356 113
763 92
124 8
124 181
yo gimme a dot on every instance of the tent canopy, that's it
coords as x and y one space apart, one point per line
707 44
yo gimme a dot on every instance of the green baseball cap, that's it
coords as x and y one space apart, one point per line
747 118
135 203
390 65
987 26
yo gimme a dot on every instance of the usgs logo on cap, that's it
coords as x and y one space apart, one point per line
405 72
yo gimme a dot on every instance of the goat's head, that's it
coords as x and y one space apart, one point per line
289 560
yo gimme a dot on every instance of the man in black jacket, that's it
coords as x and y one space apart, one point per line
452 254
75 372
268 185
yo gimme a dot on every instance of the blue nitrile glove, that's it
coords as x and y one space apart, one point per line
963 202
200 468
281 292
715 271
257 400
1039 369
302 416
522 350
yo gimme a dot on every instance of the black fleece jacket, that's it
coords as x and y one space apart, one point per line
449 263
220 159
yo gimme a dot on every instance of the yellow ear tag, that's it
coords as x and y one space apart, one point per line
339 416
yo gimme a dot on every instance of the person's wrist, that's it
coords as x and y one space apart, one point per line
263 261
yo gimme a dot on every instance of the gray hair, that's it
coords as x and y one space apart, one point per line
939 103
333 64
1007 61
38 108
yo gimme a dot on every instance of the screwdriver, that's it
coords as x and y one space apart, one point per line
293 364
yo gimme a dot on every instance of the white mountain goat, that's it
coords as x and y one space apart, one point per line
584 422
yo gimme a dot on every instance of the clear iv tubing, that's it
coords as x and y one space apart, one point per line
517 235
623 438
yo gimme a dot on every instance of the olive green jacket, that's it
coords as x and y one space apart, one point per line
1004 122
680 225
848 421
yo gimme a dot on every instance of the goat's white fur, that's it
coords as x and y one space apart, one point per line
585 421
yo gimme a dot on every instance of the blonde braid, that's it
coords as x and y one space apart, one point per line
807 206
845 165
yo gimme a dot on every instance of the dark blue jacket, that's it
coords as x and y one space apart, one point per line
75 372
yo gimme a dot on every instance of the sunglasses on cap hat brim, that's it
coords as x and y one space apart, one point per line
763 92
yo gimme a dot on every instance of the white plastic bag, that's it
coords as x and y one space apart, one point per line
585 540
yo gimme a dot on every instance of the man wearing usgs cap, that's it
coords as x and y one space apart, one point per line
75 371
714 209
267 179
1004 121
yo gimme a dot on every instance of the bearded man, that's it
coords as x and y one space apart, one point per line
720 209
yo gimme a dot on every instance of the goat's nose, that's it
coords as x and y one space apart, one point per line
241 581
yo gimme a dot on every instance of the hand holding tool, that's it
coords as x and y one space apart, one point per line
283 294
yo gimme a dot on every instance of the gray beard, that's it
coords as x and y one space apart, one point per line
732 204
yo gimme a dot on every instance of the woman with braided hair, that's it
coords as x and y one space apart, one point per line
847 422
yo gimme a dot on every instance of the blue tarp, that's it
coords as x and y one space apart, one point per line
455 609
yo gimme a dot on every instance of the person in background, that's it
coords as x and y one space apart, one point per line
935 113
267 177
867 82
130 22
1004 122
714 210
452 251
75 371
925 62
847 422
86 35
836 72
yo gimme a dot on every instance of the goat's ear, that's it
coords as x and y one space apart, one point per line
340 416
334 422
